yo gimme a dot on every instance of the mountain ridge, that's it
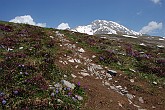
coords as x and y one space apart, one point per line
105 27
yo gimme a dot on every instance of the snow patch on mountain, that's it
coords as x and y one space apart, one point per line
84 29
105 27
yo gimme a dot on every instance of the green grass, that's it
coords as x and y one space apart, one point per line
32 69
123 62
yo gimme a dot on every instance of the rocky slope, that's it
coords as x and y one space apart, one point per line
105 27
58 69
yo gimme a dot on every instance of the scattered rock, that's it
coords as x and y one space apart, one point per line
72 60
93 56
59 100
51 88
51 37
77 61
79 97
141 100
84 74
153 107
76 66
65 76
112 72
74 76
155 82
129 96
106 83
109 79
81 50
132 80
68 84
120 104
132 70
20 48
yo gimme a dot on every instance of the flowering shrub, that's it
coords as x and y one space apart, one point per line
108 57
5 28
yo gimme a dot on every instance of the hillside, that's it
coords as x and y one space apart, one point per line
45 68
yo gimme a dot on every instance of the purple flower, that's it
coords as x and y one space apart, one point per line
3 102
101 58
20 72
78 83
15 92
26 73
69 94
68 88
57 91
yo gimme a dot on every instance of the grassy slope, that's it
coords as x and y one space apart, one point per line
28 70
30 67
126 54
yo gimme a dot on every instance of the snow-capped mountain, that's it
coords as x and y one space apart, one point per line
105 27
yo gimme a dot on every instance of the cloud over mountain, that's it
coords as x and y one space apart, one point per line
63 26
152 26
27 19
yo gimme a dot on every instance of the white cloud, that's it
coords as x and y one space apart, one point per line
152 26
63 26
156 1
27 19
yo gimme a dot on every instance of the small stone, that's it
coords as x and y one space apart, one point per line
153 107
65 76
109 79
59 100
112 87
77 61
107 84
132 80
80 77
72 60
120 104
112 72
51 88
132 70
74 76
68 84
76 66
20 48
155 83
119 87
141 100
51 37
93 56
79 97
81 50
129 96
84 74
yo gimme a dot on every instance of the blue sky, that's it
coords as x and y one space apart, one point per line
134 14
